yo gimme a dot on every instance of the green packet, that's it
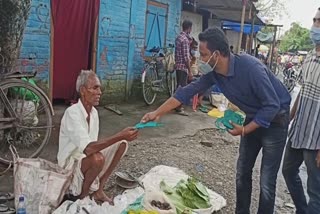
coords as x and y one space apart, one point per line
150 124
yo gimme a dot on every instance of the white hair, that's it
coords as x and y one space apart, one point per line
83 78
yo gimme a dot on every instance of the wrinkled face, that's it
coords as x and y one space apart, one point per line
91 92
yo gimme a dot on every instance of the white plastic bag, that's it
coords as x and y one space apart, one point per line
43 184
219 100
169 62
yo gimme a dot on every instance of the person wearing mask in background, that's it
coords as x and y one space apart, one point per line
182 57
304 136
251 86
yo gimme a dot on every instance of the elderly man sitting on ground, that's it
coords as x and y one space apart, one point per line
94 160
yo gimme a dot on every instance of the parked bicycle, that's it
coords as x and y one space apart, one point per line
155 78
25 116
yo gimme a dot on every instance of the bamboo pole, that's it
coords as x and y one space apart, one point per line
252 33
244 3
273 46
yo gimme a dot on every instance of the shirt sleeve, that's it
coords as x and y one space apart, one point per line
185 50
266 94
76 130
184 94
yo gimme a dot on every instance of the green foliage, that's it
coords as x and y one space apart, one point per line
267 30
296 38
13 17
187 195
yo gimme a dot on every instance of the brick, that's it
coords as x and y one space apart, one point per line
36 42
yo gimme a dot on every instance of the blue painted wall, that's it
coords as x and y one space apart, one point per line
35 48
121 42
121 39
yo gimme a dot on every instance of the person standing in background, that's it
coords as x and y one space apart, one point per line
182 57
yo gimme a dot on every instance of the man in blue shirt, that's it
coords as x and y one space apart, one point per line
250 85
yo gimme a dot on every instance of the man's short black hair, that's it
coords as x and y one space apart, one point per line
186 25
231 47
216 40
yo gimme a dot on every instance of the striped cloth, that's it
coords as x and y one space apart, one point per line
305 130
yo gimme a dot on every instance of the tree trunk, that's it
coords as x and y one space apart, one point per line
13 17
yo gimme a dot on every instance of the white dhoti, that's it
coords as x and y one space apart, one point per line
78 177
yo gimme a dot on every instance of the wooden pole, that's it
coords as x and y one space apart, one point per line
244 2
273 45
252 32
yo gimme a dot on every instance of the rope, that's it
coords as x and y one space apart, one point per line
6 170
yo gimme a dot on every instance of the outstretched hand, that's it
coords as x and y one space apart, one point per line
129 134
151 116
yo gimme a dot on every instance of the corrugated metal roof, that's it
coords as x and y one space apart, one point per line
229 10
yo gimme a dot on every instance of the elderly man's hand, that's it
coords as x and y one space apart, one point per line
129 134
151 116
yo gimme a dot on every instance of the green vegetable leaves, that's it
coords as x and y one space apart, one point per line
187 195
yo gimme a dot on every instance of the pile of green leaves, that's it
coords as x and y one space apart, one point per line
187 195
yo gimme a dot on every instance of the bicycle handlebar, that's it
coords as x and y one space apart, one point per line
157 49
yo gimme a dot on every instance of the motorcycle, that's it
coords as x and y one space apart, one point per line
291 76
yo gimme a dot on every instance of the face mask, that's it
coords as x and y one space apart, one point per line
193 53
315 35
204 67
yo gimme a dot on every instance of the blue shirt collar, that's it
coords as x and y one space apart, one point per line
231 65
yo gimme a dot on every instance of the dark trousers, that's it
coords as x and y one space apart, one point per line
293 159
182 80
272 141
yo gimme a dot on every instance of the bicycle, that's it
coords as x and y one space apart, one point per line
25 116
152 78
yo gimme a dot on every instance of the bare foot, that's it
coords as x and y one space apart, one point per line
100 196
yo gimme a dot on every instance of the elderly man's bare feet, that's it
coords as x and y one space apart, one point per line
100 196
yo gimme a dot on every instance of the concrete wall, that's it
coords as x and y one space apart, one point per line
121 43
233 38
214 23
35 48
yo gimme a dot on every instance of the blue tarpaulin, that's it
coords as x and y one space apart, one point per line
235 26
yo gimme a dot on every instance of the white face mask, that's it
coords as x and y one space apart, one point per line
194 53
204 67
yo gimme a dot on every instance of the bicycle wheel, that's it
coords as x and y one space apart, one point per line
171 82
32 127
149 76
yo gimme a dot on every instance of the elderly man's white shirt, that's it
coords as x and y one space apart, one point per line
75 134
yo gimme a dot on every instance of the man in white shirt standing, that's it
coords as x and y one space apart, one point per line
94 160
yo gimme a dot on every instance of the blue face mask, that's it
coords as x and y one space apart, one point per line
315 35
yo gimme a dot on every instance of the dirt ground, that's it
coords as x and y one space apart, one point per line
178 144
214 166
